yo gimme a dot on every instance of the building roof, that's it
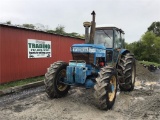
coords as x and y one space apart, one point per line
37 30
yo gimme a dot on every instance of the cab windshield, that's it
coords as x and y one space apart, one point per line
104 37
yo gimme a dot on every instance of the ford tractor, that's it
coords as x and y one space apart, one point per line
101 63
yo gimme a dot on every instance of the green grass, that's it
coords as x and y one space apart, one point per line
149 63
21 82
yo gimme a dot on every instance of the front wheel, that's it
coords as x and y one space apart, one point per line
106 87
54 78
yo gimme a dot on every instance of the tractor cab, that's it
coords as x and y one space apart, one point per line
112 38
109 36
103 46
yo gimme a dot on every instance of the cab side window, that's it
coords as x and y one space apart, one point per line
122 37
117 41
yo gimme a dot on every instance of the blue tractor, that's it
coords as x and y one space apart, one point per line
101 63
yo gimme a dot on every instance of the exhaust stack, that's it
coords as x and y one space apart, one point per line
86 25
93 24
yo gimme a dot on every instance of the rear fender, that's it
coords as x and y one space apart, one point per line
122 52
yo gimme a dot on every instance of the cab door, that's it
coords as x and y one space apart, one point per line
117 45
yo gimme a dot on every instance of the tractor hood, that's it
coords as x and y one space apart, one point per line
88 48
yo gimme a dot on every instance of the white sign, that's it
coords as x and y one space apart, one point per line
80 49
39 48
88 49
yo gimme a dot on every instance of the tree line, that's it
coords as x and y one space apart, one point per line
60 29
148 47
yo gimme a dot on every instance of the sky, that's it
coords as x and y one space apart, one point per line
132 16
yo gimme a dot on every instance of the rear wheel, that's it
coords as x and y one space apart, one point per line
106 88
53 80
127 72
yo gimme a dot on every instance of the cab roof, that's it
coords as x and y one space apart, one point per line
104 26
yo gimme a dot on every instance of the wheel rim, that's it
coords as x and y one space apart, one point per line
133 74
61 76
113 88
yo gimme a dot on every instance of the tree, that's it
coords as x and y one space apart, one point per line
151 47
137 48
8 22
50 31
157 48
82 36
148 48
155 28
148 42
60 29
29 26
40 26
74 34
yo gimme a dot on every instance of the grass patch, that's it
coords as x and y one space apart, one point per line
21 82
149 63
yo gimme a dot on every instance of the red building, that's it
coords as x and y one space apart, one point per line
15 63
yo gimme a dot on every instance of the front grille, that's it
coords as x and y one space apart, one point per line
89 58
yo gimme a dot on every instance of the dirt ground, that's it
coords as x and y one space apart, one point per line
143 103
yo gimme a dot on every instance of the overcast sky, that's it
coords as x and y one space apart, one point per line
133 16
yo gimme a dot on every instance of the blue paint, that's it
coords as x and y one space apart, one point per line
123 50
112 87
88 48
80 74
89 83
89 45
76 72
69 73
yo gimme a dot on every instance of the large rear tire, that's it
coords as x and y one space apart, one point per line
127 73
55 74
106 87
